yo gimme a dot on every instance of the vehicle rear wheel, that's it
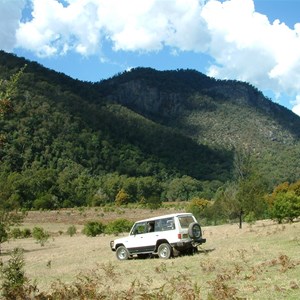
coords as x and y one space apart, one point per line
122 253
164 251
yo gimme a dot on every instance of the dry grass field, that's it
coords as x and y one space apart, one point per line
261 261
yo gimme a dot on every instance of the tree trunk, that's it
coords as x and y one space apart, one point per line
241 219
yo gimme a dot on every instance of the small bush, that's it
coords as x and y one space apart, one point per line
14 283
118 226
93 228
250 218
26 233
71 230
17 233
40 235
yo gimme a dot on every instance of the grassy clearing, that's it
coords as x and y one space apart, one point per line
261 261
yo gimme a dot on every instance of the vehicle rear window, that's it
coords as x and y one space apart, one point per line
185 221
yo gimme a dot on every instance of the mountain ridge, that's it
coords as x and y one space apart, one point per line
143 123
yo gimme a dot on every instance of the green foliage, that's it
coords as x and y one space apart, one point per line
285 206
198 207
152 202
93 228
183 189
118 226
71 230
3 234
284 202
72 143
13 277
40 235
16 233
7 220
250 218
122 198
8 89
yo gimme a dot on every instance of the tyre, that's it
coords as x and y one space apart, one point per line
122 253
164 251
194 231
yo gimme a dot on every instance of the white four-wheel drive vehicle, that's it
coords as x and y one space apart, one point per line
164 236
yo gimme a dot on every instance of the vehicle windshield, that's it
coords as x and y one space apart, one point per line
185 221
138 228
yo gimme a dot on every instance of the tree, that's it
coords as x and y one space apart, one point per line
251 187
284 202
7 220
8 90
122 198
285 206
183 189
197 207
245 195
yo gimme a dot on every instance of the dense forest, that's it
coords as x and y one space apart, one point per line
143 136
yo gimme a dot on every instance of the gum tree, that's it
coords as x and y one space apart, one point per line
8 216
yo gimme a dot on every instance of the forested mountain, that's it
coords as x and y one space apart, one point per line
221 114
149 134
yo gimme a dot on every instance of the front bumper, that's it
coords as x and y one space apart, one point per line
112 246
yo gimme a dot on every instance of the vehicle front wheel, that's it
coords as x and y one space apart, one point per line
164 251
122 253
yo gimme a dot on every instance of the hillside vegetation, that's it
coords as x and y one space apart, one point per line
142 136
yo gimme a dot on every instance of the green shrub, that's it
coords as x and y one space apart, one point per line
17 233
93 228
26 233
44 202
71 230
250 218
13 276
285 206
198 206
118 226
3 233
40 235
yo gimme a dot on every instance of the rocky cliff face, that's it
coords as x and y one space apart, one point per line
148 100
168 95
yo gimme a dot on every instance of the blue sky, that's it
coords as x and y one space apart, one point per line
257 41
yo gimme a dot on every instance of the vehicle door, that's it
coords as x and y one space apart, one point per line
141 240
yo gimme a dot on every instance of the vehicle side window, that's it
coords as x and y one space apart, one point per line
151 226
164 224
139 228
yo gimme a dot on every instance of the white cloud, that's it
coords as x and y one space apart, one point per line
10 15
246 46
296 108
55 29
131 25
243 43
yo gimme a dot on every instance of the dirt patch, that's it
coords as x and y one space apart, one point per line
81 216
